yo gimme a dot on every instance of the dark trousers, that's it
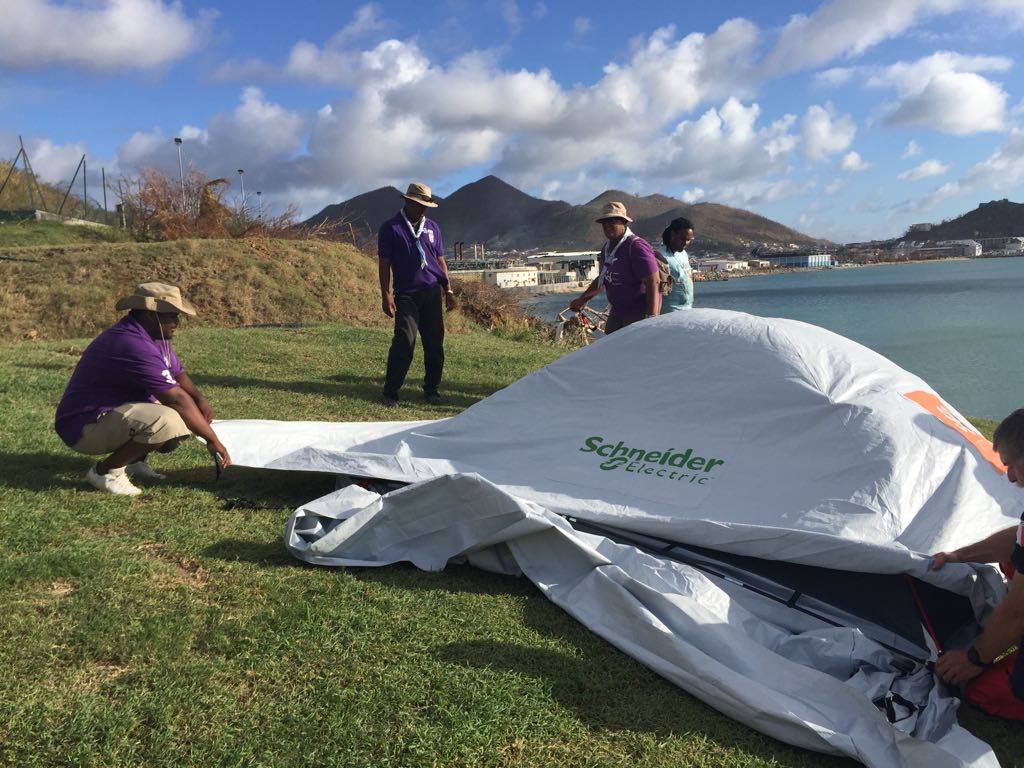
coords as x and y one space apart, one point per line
615 322
417 311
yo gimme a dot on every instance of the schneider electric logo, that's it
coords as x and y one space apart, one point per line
682 466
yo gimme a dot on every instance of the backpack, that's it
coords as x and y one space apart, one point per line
665 279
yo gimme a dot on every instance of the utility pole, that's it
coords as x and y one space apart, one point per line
181 174
241 180
32 175
259 202
103 176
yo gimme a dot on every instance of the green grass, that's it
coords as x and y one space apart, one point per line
175 630
20 234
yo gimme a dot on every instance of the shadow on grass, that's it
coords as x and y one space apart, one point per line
39 471
606 690
271 554
348 385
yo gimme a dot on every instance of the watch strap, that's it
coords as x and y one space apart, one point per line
975 659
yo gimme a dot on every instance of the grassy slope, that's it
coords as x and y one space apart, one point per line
173 629
34 233
59 292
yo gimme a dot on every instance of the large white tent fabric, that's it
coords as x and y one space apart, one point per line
759 437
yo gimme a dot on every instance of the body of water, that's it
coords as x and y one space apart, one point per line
956 324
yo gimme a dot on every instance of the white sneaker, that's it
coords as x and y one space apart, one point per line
115 481
141 470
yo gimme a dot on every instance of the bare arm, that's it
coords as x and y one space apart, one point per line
652 296
593 289
193 391
181 401
1004 628
1006 624
996 548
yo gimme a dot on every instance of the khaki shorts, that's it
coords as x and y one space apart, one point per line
146 423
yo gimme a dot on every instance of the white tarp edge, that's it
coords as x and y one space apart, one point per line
811 686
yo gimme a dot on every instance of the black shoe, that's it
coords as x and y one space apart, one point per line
390 401
433 398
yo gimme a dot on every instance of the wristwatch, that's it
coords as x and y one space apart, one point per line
975 659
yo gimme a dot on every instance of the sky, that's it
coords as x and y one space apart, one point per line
845 119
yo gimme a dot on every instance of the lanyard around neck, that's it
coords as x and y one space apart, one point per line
416 232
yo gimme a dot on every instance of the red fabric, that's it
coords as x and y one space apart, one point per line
991 692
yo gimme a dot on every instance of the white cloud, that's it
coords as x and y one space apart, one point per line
847 28
55 163
104 35
649 118
944 92
834 77
474 93
853 163
540 10
513 16
756 192
581 27
1003 169
834 187
925 170
913 150
929 201
692 195
825 132
388 64
257 135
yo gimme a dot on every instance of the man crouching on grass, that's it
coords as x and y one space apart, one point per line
129 395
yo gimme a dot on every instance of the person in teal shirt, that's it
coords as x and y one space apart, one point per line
672 250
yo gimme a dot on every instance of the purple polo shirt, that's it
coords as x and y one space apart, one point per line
624 279
395 242
124 364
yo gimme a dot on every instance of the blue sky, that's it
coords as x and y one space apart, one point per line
846 119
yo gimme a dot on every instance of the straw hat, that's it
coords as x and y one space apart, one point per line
158 297
420 193
614 210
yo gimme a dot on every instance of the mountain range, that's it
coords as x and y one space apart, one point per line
997 218
495 213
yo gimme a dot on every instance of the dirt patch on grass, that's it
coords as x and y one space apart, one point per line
181 571
91 677
61 589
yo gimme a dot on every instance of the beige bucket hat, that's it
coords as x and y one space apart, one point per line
420 193
158 297
613 210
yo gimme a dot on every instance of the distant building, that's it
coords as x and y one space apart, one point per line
469 275
511 277
723 265
920 228
556 276
1009 244
946 249
582 263
758 263
802 260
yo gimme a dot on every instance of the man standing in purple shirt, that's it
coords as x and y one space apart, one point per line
629 272
409 247
130 396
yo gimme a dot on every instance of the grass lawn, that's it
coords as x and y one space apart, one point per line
173 629
19 234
